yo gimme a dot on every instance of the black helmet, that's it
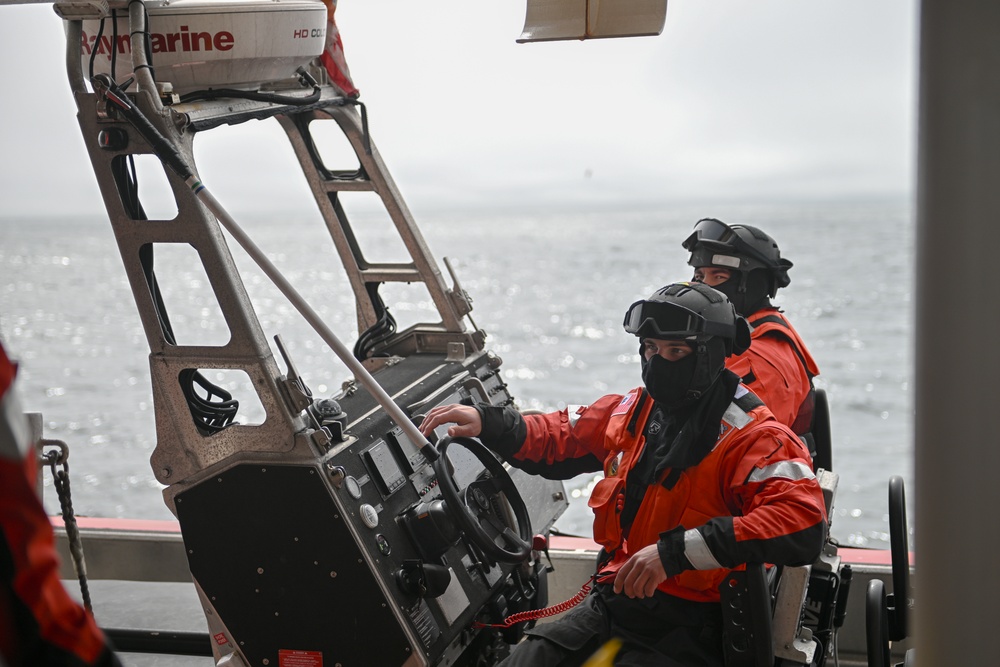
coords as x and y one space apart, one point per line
699 315
738 248
689 311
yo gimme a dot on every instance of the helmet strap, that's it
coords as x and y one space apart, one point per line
704 374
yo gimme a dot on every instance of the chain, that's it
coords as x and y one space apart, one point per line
58 461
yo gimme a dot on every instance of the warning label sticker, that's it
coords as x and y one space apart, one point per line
287 658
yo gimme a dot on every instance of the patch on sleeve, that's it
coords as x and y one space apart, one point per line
625 405
735 416
612 464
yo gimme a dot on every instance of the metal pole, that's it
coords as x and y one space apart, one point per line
315 321
173 158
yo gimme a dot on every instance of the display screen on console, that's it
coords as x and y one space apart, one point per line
409 452
384 467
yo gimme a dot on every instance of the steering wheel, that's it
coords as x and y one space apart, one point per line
472 507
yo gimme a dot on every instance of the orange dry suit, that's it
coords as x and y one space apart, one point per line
753 498
778 368
39 623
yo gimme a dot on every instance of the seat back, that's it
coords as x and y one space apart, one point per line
822 439
781 637
794 639
746 617
886 614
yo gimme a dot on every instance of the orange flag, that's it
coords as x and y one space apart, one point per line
333 55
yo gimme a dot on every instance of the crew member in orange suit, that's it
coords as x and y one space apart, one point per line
40 625
746 265
699 478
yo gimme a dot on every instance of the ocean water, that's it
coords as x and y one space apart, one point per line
549 288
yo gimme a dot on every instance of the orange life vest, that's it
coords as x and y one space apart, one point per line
779 369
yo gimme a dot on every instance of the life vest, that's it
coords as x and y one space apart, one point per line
693 501
770 323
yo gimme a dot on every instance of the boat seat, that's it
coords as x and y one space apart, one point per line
818 439
762 608
886 614
822 439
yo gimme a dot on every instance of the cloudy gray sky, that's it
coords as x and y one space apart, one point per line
736 100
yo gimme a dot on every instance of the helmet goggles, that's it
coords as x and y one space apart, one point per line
668 321
719 236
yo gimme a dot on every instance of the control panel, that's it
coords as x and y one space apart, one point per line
367 535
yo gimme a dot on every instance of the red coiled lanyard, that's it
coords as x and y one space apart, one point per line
535 614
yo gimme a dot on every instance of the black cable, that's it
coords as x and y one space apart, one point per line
97 45
382 327
382 330
114 42
146 43
274 98
210 415
122 105
217 408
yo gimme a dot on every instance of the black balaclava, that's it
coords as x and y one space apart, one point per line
668 381
748 301
690 396
676 384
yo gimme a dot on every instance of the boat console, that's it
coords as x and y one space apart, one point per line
319 556
332 532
